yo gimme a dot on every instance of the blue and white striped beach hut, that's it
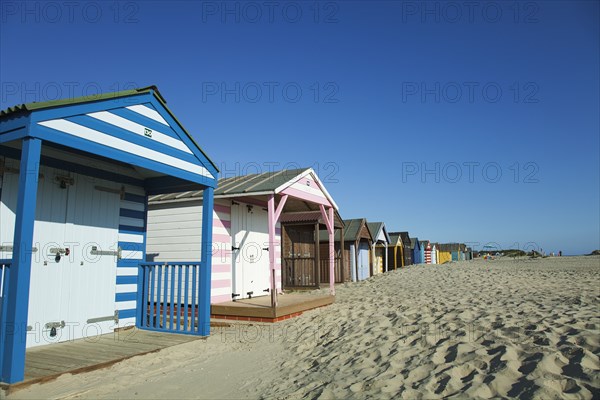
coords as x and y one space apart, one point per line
74 179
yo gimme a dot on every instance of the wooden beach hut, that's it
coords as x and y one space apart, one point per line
395 251
445 252
406 248
415 246
379 251
266 226
75 175
357 240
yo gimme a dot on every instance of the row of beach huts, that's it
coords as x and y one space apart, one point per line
240 237
112 216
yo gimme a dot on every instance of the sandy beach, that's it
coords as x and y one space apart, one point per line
479 329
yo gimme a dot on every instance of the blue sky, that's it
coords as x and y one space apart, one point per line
475 122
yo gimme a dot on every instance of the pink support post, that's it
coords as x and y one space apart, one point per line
331 253
272 221
330 223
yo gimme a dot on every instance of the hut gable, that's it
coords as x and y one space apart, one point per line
356 229
405 238
395 239
133 126
379 232
305 189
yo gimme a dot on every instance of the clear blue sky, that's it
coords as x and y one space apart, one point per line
387 90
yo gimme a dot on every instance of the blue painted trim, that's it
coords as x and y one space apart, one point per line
184 137
126 280
139 279
12 364
161 185
145 121
16 134
136 198
98 157
132 213
128 263
131 229
170 263
121 297
8 124
206 262
79 168
109 104
152 144
127 313
131 246
55 136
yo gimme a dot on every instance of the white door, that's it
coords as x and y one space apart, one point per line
363 261
92 229
70 289
250 237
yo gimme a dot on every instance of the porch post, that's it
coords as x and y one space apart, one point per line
206 264
15 321
331 231
342 252
317 254
271 211
386 257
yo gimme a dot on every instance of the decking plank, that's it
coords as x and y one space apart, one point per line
260 307
44 363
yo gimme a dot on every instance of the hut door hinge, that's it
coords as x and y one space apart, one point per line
9 249
55 325
114 317
96 252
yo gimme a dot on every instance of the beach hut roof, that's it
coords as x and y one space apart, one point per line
378 228
352 231
395 239
265 183
413 242
452 247
402 236
27 108
310 217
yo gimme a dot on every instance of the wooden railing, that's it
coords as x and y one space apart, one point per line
170 295
325 271
300 272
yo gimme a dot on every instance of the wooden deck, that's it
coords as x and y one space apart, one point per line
48 362
259 308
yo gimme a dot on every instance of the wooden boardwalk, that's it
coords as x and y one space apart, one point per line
48 362
259 308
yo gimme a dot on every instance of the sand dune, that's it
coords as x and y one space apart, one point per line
480 329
